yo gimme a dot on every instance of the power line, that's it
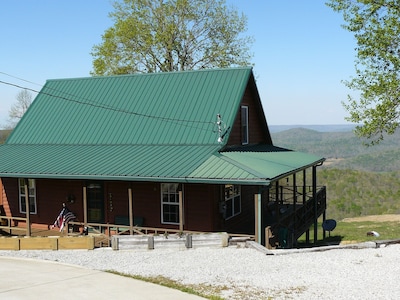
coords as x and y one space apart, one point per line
90 103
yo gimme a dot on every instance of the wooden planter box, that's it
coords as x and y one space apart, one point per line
37 243
123 242
81 242
47 243
7 243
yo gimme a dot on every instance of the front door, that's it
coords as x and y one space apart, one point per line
95 202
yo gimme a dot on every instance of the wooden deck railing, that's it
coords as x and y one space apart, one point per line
11 223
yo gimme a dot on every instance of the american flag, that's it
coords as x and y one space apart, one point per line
63 218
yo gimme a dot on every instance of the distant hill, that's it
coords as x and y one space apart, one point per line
320 128
360 180
343 149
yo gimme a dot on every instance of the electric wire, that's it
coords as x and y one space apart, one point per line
190 123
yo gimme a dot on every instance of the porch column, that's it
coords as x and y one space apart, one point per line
294 209
84 206
130 198
27 207
180 211
304 201
314 187
257 217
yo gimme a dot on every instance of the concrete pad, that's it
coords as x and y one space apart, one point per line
36 279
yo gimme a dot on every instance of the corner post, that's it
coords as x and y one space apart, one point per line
27 207
180 195
130 199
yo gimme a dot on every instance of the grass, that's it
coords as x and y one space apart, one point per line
355 232
207 292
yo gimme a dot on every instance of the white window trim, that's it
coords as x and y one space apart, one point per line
169 203
245 138
32 196
233 203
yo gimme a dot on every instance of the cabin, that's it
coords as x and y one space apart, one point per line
183 151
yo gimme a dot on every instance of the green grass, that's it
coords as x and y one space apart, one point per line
355 232
207 292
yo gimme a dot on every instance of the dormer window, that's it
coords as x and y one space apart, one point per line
245 124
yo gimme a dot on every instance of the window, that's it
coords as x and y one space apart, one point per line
245 125
170 203
232 200
22 196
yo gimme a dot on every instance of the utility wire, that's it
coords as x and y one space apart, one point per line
90 103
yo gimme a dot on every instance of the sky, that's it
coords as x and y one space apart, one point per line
301 52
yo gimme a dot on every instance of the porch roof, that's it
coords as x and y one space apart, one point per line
160 163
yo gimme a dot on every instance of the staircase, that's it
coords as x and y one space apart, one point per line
296 220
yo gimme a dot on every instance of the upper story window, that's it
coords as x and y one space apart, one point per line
245 124
170 203
22 196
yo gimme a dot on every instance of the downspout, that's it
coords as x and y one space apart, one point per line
130 199
258 216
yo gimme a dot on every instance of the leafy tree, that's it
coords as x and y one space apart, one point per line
171 35
17 110
376 27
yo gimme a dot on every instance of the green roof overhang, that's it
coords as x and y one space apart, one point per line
157 163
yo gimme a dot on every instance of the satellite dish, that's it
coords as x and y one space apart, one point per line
329 225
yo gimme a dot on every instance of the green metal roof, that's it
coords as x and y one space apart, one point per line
163 163
157 108
147 127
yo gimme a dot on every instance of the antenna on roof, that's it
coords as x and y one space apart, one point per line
219 124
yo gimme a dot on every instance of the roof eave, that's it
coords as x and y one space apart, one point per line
242 181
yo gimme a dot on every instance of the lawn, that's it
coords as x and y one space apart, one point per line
355 231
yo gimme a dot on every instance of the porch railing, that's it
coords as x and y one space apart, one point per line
11 223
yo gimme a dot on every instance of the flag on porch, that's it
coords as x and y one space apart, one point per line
63 218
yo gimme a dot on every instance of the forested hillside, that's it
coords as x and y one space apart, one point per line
360 180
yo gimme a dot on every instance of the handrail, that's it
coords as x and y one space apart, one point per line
12 220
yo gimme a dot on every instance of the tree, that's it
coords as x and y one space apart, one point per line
376 27
171 35
17 110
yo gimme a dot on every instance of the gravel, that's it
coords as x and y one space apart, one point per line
243 273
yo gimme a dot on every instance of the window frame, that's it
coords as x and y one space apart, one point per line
22 196
175 204
244 126
233 201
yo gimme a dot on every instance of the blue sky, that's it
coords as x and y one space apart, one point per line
301 53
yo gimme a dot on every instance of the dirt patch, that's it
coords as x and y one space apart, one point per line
332 161
375 218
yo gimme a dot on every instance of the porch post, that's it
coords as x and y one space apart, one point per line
257 217
304 201
27 207
84 206
314 187
130 211
294 209
180 211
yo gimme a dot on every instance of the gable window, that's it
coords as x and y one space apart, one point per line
22 195
245 124
170 203
232 200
